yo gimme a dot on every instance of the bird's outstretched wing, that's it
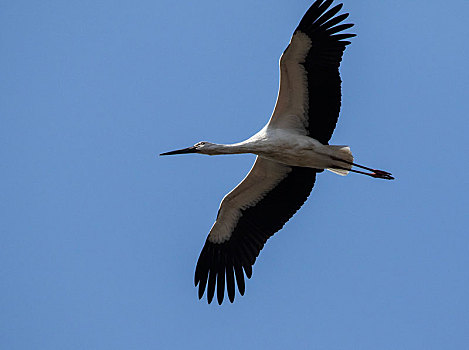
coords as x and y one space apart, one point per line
251 213
309 97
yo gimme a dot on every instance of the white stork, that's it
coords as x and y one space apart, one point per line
291 149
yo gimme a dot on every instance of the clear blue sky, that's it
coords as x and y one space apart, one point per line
99 236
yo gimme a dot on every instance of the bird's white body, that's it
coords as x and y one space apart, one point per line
288 147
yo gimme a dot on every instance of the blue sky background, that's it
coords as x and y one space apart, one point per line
99 236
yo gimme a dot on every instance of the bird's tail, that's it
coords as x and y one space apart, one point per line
341 153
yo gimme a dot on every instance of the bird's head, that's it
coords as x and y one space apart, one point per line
203 147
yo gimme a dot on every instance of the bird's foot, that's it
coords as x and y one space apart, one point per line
381 174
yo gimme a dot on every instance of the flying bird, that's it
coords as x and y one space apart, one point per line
291 149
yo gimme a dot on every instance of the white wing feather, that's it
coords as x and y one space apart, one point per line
291 109
263 177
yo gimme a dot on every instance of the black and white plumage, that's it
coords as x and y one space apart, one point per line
284 192
291 149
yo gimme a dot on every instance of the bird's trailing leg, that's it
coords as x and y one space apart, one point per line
380 174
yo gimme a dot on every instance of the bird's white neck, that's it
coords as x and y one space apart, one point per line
236 148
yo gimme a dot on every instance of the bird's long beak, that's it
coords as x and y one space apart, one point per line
180 151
